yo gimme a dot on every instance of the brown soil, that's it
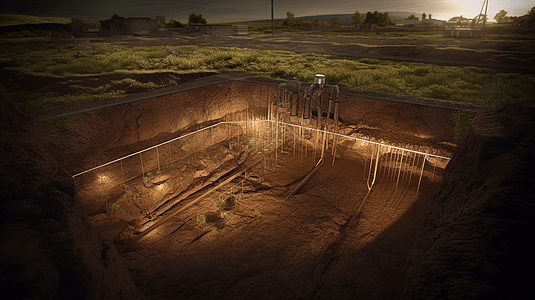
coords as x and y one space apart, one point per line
48 248
270 247
471 239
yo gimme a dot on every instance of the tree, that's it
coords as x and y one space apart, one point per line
430 18
289 19
289 15
115 16
412 18
423 16
378 18
357 18
337 21
75 20
160 20
531 15
197 19
173 24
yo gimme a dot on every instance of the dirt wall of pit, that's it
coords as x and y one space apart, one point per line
48 249
100 136
476 241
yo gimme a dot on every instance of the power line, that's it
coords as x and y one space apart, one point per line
184 7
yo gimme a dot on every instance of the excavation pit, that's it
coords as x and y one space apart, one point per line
222 193
330 238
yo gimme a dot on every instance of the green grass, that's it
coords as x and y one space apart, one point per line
464 84
12 19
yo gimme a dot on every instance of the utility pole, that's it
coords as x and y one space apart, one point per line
484 18
272 21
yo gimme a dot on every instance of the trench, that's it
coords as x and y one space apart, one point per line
266 205
214 187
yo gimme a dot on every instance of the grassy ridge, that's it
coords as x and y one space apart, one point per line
464 84
12 19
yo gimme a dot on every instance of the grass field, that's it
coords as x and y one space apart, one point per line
464 84
12 19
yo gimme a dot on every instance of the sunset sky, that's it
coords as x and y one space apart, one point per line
245 10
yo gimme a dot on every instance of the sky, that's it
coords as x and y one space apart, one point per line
247 10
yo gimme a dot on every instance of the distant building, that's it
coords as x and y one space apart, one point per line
433 23
85 29
212 29
366 26
126 26
463 32
424 23
240 30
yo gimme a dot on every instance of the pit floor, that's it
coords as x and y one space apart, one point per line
280 252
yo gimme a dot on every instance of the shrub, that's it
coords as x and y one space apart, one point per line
461 121
200 219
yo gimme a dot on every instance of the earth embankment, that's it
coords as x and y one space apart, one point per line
476 240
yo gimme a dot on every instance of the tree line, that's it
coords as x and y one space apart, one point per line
378 18
160 20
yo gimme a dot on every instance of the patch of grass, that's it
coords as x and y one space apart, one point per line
28 101
461 121
14 19
52 126
200 219
464 84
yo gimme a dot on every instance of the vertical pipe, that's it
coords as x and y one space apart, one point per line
375 171
329 115
294 143
122 171
203 140
283 136
336 108
366 161
421 174
170 153
247 121
142 168
158 158
272 20
412 168
399 173
370 169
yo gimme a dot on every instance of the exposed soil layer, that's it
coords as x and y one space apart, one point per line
475 242
274 247
98 136
48 248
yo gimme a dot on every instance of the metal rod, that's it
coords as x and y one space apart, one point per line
122 170
421 174
142 169
400 164
273 123
157 157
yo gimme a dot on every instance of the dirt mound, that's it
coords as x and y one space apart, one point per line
475 242
48 248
